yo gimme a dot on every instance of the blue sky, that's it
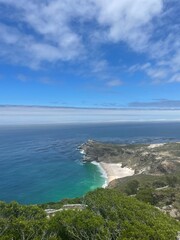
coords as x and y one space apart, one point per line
90 53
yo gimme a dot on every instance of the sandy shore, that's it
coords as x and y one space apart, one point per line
156 145
115 170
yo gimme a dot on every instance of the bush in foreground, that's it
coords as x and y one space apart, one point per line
109 216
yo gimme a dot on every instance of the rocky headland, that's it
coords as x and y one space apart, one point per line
134 168
142 158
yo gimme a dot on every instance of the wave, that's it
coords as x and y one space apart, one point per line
103 173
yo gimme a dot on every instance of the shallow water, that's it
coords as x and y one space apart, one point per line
42 164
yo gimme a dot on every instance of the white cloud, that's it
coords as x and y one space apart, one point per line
99 66
54 30
114 83
128 20
165 67
49 36
43 115
175 78
22 78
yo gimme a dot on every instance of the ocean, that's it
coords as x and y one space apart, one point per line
41 163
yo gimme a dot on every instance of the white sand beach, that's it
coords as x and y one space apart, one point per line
115 170
156 145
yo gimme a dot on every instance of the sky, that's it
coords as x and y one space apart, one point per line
90 53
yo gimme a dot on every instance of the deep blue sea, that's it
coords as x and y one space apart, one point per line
42 164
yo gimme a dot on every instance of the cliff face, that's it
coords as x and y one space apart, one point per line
143 158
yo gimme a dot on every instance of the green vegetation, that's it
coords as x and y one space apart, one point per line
21 222
109 216
143 158
171 180
132 187
159 190
146 195
156 167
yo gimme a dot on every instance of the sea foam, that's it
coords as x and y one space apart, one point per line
103 173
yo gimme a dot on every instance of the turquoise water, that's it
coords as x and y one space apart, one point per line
42 164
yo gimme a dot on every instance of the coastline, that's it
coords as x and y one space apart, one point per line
115 170
112 171
101 169
119 161
109 171
103 173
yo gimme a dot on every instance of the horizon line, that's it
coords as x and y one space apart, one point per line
90 108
